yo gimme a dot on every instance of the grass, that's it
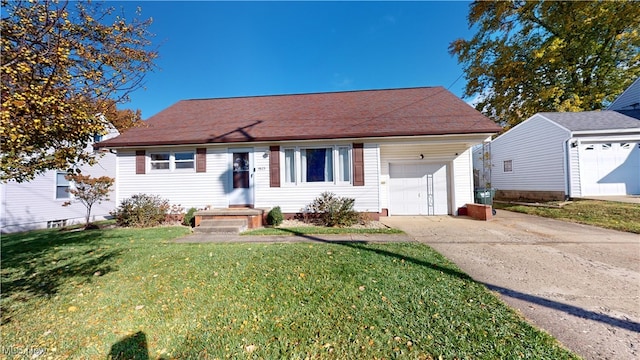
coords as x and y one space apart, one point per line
320 230
132 293
606 214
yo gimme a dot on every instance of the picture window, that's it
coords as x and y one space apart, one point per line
317 165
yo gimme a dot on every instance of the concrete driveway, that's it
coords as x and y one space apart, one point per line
580 283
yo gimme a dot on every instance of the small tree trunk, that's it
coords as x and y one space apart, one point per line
86 225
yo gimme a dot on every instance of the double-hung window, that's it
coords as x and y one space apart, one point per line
317 165
290 166
184 160
62 186
344 165
160 161
172 161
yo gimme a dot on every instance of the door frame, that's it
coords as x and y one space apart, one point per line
249 193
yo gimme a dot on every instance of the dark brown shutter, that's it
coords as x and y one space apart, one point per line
274 166
140 161
358 165
201 160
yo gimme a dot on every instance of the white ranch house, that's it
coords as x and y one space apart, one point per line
397 152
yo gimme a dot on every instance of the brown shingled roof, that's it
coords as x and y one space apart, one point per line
353 114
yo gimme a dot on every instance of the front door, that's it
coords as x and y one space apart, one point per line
241 179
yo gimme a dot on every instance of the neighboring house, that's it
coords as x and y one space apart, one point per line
629 100
397 152
553 156
38 203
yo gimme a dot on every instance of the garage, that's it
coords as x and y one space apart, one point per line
418 189
611 168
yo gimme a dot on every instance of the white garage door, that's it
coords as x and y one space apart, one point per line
418 189
610 168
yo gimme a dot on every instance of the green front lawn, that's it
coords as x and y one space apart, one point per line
607 214
129 293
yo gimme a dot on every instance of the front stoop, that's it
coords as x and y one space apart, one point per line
226 221
221 226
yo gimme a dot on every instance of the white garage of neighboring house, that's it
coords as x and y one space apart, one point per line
553 156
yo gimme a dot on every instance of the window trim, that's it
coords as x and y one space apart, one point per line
67 186
507 166
172 161
183 161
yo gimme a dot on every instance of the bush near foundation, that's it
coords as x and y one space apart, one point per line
142 210
331 210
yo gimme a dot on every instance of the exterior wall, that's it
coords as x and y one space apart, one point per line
210 189
536 150
29 206
185 188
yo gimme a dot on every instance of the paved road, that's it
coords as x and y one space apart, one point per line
579 283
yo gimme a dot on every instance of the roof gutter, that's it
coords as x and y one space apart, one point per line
271 140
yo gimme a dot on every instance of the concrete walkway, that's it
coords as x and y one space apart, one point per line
578 282
633 199
232 238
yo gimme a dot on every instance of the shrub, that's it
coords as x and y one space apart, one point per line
141 210
190 218
274 217
331 210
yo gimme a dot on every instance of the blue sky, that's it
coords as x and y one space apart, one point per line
227 49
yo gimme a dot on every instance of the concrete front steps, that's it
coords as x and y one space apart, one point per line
221 226
227 221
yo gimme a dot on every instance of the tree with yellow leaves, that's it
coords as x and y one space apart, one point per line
533 56
65 67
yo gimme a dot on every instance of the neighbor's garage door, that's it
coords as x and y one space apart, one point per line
418 189
610 168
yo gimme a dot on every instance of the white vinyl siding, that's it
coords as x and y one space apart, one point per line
186 188
31 205
536 149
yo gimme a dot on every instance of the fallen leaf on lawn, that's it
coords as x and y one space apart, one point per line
250 348
139 307
72 308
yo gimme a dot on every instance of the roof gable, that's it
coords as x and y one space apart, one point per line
355 114
629 99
